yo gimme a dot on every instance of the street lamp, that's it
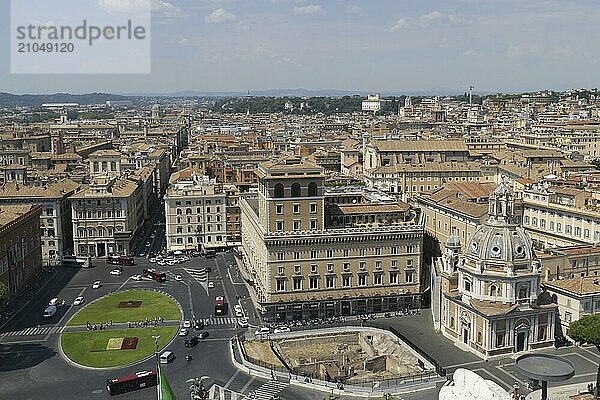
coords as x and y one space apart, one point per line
156 346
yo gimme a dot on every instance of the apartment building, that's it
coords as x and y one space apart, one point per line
196 212
570 262
558 216
20 247
107 216
308 258
576 297
56 228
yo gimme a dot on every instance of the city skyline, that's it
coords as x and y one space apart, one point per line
224 46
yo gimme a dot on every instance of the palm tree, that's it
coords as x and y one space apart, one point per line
197 389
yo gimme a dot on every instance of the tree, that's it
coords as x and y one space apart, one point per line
197 389
587 330
3 292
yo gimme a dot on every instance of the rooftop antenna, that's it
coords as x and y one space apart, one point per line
471 94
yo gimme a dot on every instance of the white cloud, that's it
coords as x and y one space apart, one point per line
183 41
432 16
353 8
123 5
220 15
308 9
399 25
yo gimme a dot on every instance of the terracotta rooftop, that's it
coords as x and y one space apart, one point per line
579 285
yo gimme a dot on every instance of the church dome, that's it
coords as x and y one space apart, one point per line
500 238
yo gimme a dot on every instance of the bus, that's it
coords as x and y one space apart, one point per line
154 274
220 306
139 380
72 261
120 260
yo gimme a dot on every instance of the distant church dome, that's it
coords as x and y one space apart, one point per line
500 238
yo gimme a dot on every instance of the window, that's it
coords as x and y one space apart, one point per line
313 254
280 285
362 266
329 253
298 283
393 278
296 225
467 285
313 208
346 252
296 208
279 209
378 279
408 277
312 189
330 282
393 250
568 317
297 269
409 248
377 264
346 266
377 251
329 267
313 282
313 268
394 264
361 252
558 227
296 255
346 280
278 192
279 270
568 229
313 224
279 225
362 280
296 190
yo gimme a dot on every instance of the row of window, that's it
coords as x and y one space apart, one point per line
362 266
362 252
198 202
199 219
97 201
188 211
558 227
96 166
295 208
198 229
99 231
199 239
99 214
346 281
295 190
296 225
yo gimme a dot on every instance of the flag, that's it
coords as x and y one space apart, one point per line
164 392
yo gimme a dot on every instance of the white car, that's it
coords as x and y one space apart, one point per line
178 278
187 323
183 332
137 277
243 322
96 285
115 272
282 329
78 301
211 285
265 330
161 263
152 260
239 312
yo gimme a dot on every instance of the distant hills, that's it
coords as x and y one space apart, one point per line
36 100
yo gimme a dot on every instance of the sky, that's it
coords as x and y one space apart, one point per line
374 45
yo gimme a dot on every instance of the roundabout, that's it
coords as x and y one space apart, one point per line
120 329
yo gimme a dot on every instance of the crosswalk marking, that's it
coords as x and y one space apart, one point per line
35 331
220 321
199 275
267 391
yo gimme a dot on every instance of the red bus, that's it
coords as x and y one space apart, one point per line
120 260
139 380
220 306
154 274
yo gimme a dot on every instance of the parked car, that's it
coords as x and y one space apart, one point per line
204 335
183 332
78 301
137 277
211 285
152 259
187 323
178 278
96 285
115 272
198 325
49 311
265 330
53 302
282 329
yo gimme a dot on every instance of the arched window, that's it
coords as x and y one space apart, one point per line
113 166
312 189
278 190
188 211
296 191
493 290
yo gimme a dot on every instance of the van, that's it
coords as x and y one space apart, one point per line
167 357
49 311
53 302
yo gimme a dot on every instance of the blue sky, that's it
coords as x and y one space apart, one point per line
376 45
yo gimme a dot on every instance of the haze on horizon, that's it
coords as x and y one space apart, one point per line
386 46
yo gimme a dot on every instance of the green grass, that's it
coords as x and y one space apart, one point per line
82 347
107 308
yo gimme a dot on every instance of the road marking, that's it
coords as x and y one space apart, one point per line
247 385
231 379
